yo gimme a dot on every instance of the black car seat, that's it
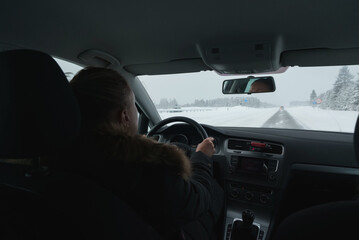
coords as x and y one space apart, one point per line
334 220
39 116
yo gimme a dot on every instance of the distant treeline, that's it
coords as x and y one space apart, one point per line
218 102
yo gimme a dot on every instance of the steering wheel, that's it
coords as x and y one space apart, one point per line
191 122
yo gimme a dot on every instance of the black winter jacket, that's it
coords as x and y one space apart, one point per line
176 196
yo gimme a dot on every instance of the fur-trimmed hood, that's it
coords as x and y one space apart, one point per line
96 147
141 149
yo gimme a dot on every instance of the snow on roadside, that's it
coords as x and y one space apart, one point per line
310 118
315 118
225 116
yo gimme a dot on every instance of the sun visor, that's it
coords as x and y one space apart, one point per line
320 57
98 58
171 67
244 58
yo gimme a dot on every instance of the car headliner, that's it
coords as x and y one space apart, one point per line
153 37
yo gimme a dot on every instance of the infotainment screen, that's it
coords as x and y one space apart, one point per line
251 165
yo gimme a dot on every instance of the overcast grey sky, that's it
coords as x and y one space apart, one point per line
295 84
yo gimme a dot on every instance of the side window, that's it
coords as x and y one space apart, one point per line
70 69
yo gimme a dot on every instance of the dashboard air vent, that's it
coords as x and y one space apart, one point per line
254 146
239 145
272 148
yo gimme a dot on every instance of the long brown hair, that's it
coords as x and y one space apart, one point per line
100 93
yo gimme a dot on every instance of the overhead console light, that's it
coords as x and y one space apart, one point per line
247 58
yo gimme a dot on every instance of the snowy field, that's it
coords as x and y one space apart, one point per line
308 117
324 120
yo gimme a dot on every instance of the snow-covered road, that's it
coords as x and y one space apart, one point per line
294 118
282 119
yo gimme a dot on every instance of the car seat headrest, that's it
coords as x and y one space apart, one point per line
38 112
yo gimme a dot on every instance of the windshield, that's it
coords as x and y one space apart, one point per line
310 98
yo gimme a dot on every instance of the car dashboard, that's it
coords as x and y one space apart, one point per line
275 172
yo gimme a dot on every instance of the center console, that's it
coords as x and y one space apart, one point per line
253 178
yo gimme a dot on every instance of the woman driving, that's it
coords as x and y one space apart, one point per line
177 196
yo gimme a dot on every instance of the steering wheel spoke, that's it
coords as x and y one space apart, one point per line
188 149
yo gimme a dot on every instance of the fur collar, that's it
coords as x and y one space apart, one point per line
136 149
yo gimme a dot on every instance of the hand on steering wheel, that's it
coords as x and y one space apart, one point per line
204 146
207 146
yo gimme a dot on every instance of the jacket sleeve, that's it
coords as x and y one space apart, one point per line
193 198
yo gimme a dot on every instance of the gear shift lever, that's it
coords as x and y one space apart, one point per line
247 218
244 229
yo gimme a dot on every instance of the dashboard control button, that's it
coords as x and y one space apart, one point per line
234 162
264 199
249 196
272 177
234 193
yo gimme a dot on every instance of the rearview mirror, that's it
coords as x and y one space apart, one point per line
248 85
